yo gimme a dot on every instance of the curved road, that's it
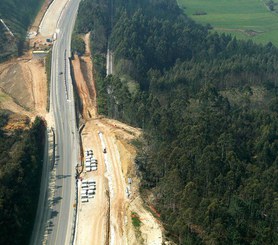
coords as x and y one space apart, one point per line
55 221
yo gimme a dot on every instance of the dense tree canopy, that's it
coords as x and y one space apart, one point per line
18 15
21 154
208 106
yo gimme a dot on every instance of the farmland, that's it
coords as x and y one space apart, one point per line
248 19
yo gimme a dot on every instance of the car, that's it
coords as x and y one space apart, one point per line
60 73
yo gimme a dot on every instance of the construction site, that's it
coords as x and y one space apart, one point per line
108 208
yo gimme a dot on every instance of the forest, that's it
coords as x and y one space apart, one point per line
21 154
18 16
207 104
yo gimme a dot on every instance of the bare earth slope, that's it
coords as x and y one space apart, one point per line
23 86
107 218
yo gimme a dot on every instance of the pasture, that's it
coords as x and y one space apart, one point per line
246 19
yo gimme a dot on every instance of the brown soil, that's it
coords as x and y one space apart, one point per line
23 83
83 73
94 217
15 122
23 86
88 110
39 85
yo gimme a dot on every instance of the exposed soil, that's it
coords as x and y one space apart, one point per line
88 109
93 216
110 212
38 19
88 72
17 121
23 86
51 17
23 82
39 85
45 24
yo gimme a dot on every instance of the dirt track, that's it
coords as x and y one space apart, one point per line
93 216
93 226
51 18
38 19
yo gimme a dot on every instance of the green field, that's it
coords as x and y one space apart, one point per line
246 19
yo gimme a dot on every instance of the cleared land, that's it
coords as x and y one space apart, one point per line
23 82
51 18
248 19
23 87
39 17
108 217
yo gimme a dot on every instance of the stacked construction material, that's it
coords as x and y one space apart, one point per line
88 190
90 161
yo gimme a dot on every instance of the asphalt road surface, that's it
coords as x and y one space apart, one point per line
57 220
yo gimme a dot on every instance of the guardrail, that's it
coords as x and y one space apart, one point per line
53 150
51 186
74 225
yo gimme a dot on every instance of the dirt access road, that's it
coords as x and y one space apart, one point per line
107 219
50 20
111 209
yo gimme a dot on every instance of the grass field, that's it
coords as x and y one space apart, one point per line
246 19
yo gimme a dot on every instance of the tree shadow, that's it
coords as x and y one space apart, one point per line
56 200
54 214
63 176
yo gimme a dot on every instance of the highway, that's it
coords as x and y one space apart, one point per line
56 216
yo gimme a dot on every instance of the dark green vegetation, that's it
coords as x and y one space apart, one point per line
18 15
94 17
21 154
77 44
208 106
135 220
